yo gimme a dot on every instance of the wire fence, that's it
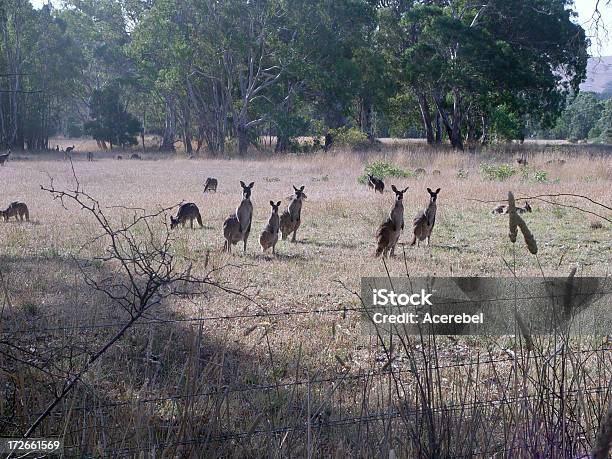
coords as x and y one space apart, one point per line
312 422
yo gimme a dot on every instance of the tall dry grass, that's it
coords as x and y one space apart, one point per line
289 372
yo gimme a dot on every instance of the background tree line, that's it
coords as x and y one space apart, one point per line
223 74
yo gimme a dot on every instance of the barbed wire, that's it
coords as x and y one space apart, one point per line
279 314
225 390
340 422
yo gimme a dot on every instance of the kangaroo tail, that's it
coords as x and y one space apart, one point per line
414 238
199 218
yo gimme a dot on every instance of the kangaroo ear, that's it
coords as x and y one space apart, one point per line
278 204
272 203
294 187
429 190
242 184
251 184
302 188
438 190
393 188
405 189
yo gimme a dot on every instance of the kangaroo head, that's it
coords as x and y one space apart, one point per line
527 206
173 222
399 194
299 192
246 189
433 194
275 206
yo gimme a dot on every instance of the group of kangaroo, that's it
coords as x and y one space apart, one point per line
389 231
237 227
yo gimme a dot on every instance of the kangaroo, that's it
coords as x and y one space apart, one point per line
210 185
420 171
503 209
237 227
69 149
90 156
135 156
522 161
425 220
269 236
4 158
291 219
376 184
389 231
188 211
16 209
521 210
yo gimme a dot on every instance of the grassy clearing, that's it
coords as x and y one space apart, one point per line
336 245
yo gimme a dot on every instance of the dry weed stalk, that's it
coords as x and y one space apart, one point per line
516 221
603 441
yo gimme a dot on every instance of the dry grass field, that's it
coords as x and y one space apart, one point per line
230 378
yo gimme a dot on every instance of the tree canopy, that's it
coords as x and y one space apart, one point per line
212 74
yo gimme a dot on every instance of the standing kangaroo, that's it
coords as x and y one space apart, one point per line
269 236
291 219
210 184
188 211
425 220
390 230
376 184
16 209
237 227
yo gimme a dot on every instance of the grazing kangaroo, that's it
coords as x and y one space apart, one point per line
211 184
269 236
237 227
291 219
389 231
188 211
425 220
135 156
16 209
376 183
119 157
503 209
420 171
521 210
4 158
69 149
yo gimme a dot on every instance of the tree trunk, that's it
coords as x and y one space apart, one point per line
243 140
438 128
366 120
426 117
169 129
484 139
456 140
282 143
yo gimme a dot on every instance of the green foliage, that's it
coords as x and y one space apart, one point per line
383 169
499 172
540 177
579 119
110 120
462 174
506 125
350 138
602 130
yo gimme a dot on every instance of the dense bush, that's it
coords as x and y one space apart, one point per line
350 138
382 169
